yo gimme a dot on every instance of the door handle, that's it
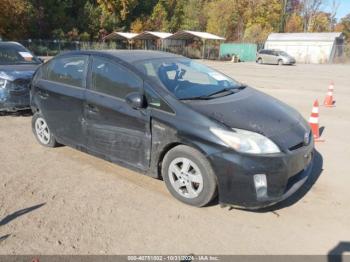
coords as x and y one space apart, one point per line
91 108
43 94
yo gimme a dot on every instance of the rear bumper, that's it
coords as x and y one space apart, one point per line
285 174
14 100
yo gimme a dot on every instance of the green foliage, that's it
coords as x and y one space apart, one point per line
90 20
193 16
159 18
345 26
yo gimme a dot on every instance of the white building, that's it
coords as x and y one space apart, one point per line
316 48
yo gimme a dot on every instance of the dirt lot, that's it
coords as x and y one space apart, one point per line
62 201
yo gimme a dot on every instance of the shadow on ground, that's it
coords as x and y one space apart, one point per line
3 238
24 113
19 213
336 254
322 128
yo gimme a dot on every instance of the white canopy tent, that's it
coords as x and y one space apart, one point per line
185 36
153 40
121 36
152 35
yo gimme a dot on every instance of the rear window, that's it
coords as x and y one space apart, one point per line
11 54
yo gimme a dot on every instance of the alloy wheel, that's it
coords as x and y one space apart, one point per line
42 131
185 177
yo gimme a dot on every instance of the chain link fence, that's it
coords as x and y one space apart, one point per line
303 53
53 47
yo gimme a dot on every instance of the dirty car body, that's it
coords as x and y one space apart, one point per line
177 107
17 66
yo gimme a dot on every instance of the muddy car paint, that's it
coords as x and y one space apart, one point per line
149 133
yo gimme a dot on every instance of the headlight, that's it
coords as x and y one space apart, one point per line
3 83
246 142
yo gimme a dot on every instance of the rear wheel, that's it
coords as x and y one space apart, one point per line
188 176
280 62
42 132
260 61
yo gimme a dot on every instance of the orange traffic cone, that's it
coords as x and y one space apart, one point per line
329 102
313 121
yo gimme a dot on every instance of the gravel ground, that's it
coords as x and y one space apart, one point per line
62 201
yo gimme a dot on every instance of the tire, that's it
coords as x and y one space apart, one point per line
259 61
280 62
45 137
189 176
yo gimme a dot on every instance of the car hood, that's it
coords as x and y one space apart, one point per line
14 72
255 111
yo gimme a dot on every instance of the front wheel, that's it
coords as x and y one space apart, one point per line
280 62
189 176
42 132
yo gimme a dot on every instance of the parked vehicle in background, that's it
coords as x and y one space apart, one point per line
17 66
170 117
274 57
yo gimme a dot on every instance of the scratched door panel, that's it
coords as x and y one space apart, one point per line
116 130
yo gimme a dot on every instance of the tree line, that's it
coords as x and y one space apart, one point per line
236 20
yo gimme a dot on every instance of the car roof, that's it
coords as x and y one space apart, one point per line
129 56
2 43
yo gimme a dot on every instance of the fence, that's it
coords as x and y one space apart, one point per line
53 47
320 53
245 52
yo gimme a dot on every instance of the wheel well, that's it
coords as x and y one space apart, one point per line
166 149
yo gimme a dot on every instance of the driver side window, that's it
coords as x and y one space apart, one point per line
112 79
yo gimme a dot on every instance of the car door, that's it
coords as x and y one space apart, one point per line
267 57
274 57
113 129
61 95
264 54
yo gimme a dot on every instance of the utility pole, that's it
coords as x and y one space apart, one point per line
283 16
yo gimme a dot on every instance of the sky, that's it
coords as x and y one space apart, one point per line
343 10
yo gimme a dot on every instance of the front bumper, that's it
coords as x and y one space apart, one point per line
14 100
289 62
285 174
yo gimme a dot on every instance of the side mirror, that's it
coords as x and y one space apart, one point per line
135 100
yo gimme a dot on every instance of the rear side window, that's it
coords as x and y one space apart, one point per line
113 79
68 70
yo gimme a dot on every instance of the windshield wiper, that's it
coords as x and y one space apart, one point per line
229 91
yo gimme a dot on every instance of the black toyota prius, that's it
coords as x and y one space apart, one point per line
173 118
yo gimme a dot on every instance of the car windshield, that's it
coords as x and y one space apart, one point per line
11 54
187 79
